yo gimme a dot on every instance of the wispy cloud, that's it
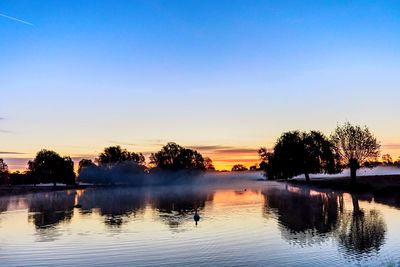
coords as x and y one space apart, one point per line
156 142
232 161
121 143
210 147
16 19
391 146
11 153
219 149
2 118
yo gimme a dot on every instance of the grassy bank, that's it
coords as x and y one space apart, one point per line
27 189
378 185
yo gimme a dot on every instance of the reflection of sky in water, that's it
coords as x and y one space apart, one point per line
252 225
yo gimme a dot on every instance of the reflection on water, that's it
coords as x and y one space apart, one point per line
304 217
254 226
360 231
115 206
46 210
307 217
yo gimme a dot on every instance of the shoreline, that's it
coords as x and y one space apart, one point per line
375 184
30 189
379 185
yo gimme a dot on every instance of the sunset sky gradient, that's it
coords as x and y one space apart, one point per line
225 77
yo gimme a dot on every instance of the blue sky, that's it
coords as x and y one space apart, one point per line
213 74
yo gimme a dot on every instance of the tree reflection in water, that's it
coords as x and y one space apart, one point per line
49 209
361 231
304 218
116 205
4 204
176 206
307 217
119 205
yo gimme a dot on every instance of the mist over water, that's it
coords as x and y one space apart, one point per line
377 171
243 222
133 174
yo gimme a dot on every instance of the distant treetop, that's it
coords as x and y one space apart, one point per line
116 154
175 157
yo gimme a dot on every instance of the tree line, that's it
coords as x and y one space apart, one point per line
127 167
303 153
294 153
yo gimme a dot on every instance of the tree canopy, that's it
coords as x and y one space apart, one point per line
208 164
354 145
4 175
49 166
85 163
239 168
387 159
115 165
116 154
298 153
174 157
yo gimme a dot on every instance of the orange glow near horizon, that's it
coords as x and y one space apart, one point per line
228 163
222 160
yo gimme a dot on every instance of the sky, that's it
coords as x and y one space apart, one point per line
224 77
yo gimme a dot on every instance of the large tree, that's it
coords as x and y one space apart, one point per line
387 160
115 154
298 153
49 166
4 175
85 163
354 145
174 157
208 164
239 168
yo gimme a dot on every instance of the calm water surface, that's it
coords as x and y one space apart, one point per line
257 224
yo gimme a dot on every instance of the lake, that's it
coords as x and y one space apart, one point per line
244 224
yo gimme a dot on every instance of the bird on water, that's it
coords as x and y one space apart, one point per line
196 217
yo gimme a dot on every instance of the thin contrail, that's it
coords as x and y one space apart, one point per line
15 19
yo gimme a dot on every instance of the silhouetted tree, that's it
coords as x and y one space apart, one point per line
263 166
253 168
115 166
298 153
17 178
208 164
239 168
49 166
85 163
4 175
397 162
266 162
174 157
354 145
371 164
124 172
263 153
387 160
115 154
